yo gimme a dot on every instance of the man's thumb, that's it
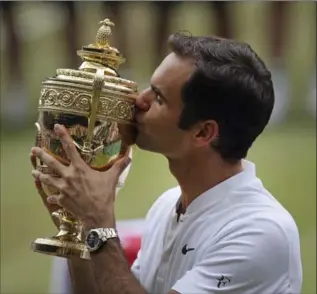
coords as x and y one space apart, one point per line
120 166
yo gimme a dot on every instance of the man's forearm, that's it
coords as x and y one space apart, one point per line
82 277
112 272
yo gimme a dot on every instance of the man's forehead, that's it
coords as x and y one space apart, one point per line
173 68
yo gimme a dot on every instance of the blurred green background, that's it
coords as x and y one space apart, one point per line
38 37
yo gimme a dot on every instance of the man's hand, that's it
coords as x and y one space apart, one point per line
50 207
84 192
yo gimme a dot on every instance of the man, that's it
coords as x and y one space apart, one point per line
220 230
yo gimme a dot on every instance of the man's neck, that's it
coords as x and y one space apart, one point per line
198 174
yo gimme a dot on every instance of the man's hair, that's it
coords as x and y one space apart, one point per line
231 85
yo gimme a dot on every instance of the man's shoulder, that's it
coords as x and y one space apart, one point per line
250 210
253 205
263 223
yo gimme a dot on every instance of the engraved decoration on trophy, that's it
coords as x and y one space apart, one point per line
92 102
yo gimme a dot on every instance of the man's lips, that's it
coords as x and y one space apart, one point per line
138 116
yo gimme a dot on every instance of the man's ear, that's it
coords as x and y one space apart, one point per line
205 132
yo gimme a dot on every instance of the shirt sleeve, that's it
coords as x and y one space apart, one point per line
60 279
136 266
247 259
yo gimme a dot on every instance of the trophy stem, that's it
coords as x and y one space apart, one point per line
68 241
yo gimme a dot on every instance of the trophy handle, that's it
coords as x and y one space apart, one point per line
97 85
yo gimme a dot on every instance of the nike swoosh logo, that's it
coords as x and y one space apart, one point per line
185 249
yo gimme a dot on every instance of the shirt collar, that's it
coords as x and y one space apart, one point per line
216 193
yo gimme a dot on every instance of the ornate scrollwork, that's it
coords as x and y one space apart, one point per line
64 98
79 102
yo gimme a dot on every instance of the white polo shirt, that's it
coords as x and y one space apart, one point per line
234 238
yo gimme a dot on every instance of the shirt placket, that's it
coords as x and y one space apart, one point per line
168 245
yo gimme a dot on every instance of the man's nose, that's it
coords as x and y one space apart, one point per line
143 102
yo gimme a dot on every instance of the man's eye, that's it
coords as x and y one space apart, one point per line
158 99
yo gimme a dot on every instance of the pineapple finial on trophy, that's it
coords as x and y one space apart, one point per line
101 52
104 33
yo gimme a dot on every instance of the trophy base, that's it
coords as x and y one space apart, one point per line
60 248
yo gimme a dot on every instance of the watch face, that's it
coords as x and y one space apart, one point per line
93 240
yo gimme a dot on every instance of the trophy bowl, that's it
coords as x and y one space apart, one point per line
95 104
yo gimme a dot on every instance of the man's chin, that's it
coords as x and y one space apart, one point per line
139 143
142 142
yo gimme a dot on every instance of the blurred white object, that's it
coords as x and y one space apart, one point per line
124 175
130 232
281 89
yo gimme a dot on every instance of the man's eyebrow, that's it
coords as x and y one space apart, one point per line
157 91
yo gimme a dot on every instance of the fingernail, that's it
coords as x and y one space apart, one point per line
51 200
128 161
35 173
57 127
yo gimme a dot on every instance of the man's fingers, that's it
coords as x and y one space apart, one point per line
40 190
119 166
46 179
33 160
53 199
44 197
57 199
68 145
49 160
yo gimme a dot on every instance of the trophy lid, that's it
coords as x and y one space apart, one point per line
101 52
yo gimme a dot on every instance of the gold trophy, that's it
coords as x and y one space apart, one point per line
95 104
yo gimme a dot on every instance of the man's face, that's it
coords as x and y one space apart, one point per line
161 106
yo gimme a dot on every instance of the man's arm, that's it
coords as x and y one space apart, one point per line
82 276
107 272
110 267
112 272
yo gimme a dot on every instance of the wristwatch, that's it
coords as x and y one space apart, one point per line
96 238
